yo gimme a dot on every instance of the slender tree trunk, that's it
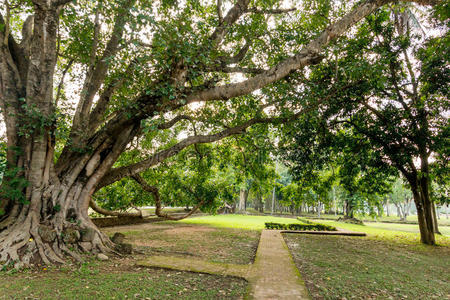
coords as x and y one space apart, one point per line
273 199
387 208
243 196
424 215
259 203
435 222
399 213
348 209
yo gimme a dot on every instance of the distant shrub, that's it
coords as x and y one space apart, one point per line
305 227
351 221
306 221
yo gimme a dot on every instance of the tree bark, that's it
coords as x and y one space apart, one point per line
348 209
435 221
424 216
243 196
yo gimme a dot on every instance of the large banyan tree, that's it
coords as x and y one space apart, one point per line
81 80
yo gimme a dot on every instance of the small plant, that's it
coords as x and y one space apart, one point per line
306 227
306 221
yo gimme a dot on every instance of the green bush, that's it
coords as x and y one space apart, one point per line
307 227
306 221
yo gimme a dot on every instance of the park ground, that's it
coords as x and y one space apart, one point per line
389 263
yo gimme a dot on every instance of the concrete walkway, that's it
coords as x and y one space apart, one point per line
272 276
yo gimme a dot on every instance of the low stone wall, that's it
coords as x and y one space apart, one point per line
118 221
345 233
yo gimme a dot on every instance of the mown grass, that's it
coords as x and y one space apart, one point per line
445 230
238 221
395 233
443 221
336 267
94 282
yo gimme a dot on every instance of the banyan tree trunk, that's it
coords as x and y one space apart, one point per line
52 216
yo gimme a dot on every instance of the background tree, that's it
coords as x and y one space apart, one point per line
389 105
401 197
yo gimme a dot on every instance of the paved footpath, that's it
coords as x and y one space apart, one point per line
272 276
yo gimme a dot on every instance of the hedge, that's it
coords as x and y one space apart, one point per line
305 227
306 221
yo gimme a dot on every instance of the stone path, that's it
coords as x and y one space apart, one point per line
272 276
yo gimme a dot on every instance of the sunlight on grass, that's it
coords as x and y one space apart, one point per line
445 230
396 232
239 221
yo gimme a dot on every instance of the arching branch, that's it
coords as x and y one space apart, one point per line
269 11
136 168
155 192
231 17
309 55
175 120
147 104
107 212
219 11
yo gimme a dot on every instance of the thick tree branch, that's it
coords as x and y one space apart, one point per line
7 24
130 170
107 212
269 11
96 74
310 54
232 16
61 2
61 81
219 11
175 120
97 114
155 192
239 70
15 55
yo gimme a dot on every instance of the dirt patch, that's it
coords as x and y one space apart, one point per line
136 227
151 243
189 229
179 239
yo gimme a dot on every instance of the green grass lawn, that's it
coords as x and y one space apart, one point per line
445 230
239 221
443 221
338 267
105 281
397 233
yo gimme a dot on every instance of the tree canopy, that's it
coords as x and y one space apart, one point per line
93 92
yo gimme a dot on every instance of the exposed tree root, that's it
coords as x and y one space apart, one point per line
26 244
